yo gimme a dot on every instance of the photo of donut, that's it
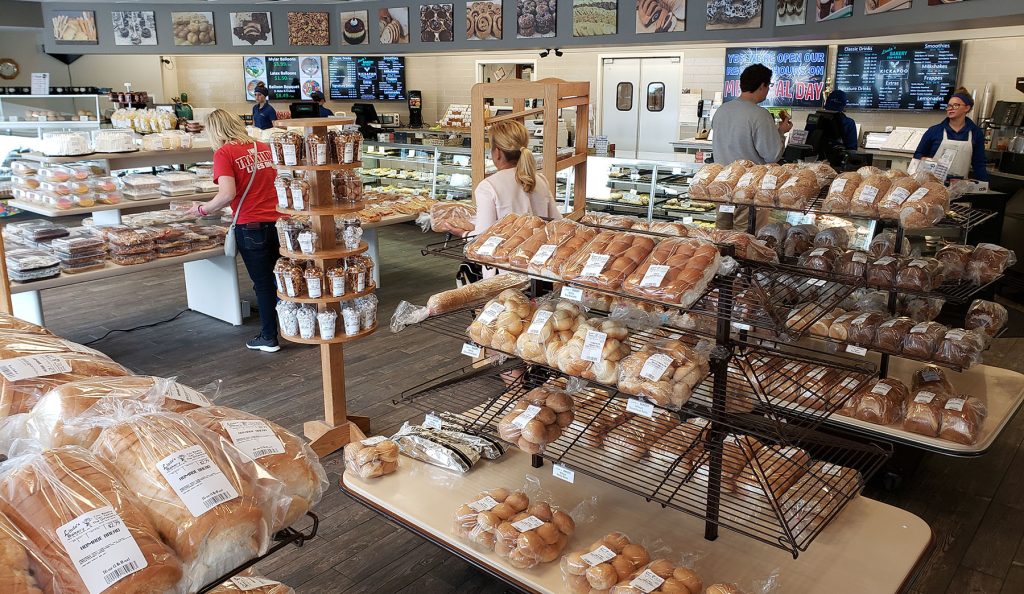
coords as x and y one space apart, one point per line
483 20
591 18
355 27
734 14
828 10
394 25
660 16
437 23
536 18
134 27
879 6
790 12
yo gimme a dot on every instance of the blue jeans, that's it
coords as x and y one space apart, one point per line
259 248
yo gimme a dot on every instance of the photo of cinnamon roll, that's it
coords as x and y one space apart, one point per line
660 16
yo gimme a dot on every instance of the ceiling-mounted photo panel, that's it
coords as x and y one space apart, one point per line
591 18
437 23
193 28
879 6
940 2
791 12
309 28
829 10
483 20
355 27
660 16
734 14
134 27
393 25
74 27
536 18
251 28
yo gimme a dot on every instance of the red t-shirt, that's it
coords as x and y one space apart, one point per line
237 161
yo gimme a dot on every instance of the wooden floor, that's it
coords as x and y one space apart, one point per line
975 506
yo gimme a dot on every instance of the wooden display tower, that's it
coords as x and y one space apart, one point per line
557 94
338 427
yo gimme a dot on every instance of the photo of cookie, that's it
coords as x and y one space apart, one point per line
355 28
734 14
309 28
394 25
436 23
828 10
483 20
536 18
660 16
790 12
594 17
880 6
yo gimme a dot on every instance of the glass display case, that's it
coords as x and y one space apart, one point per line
653 189
440 172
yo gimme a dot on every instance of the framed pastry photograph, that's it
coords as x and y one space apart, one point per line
74 27
734 14
483 20
309 28
941 2
134 27
536 18
437 23
193 28
251 28
790 12
829 10
355 27
660 16
591 18
393 25
879 6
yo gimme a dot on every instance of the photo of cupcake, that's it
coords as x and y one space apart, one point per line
437 23
828 10
354 28
483 19
536 18
394 25
790 12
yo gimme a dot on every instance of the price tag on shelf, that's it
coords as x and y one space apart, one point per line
490 313
561 472
539 319
471 350
727 208
654 276
687 220
677 171
432 421
593 345
632 192
816 282
856 350
461 160
572 294
410 154
639 407
543 254
83 118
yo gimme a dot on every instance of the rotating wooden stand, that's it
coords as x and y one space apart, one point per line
338 427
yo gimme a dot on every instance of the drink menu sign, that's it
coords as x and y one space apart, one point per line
898 76
798 73
366 78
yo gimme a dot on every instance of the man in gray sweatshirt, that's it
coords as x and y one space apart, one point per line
745 130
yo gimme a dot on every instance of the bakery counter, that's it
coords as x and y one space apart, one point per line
423 499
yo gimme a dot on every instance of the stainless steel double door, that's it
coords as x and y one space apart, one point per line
640 104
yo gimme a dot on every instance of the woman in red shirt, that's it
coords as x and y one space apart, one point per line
238 158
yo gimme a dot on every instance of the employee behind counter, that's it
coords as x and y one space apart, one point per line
960 134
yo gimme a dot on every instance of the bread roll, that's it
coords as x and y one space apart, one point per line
768 191
923 339
867 197
20 395
502 320
702 180
537 418
746 187
608 259
988 262
882 403
932 379
954 259
890 204
840 193
772 472
962 419
602 367
890 333
691 264
722 185
924 412
495 245
550 328
566 236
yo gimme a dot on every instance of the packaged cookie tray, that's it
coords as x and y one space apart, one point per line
36 274
84 266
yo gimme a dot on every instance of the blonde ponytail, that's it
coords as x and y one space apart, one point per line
526 170
511 138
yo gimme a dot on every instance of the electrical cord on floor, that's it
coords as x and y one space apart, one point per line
176 316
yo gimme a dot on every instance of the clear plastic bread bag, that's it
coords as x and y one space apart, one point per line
837 237
920 309
868 195
884 244
919 274
986 317
595 350
961 348
22 569
26 379
815 497
924 412
889 334
677 271
701 181
840 193
561 242
988 262
407 313
607 260
882 271
662 576
773 234
457 218
882 403
84 525
502 238
610 560
665 371
537 419
252 584
962 419
10 323
502 320
372 457
923 339
954 259
552 325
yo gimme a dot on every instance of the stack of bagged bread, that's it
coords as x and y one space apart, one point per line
606 261
677 271
614 561
501 240
595 350
537 419
791 186
371 458
550 246
870 192
502 320
979 264
664 372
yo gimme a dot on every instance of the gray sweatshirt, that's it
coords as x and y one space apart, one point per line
744 130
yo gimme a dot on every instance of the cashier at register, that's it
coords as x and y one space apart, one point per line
959 133
837 102
263 114
319 98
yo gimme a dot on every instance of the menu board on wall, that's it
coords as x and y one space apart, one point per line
898 76
283 77
391 78
341 77
366 78
798 73
288 78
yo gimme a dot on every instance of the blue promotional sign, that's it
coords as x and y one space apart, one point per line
798 73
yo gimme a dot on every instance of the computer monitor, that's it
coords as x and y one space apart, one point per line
304 109
826 136
366 119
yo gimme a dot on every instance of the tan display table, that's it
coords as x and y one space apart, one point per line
870 547
370 237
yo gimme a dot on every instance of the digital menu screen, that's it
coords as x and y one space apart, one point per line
286 77
918 76
341 77
283 77
798 73
366 78
391 78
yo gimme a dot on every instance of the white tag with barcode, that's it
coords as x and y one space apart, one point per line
539 319
490 313
745 180
655 366
187 394
789 183
101 548
924 397
526 416
654 276
527 524
254 437
306 242
247 584
919 328
601 554
481 505
956 334
918 194
956 404
639 407
561 472
487 249
543 254
314 287
769 182
199 483
856 350
289 287
595 264
868 193
647 581
727 208
470 350
816 252
21 368
899 195
431 421
593 345
861 318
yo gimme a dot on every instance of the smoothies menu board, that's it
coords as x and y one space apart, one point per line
798 73
366 78
287 77
898 76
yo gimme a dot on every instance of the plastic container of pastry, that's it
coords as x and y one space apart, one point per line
55 173
58 201
177 190
87 200
204 171
177 178
80 244
23 167
26 260
103 184
58 188
84 266
114 197
28 182
66 144
133 194
81 171
137 181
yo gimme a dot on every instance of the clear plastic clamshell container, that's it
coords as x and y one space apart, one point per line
80 244
26 259
55 173
103 184
65 144
26 182
138 182
23 167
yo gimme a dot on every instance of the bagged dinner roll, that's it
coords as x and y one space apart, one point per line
664 372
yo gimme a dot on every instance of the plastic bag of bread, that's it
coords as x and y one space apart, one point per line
608 259
595 351
932 379
737 451
840 193
852 263
10 323
609 220
924 412
882 272
495 245
799 239
774 235
552 325
24 380
677 271
890 333
447 449
665 372
960 348
919 215
823 172
660 576
14 343
670 228
768 190
457 218
722 186
799 190
815 497
890 204
954 259
252 584
988 262
85 525
701 181
810 316
920 309
537 419
919 274
923 339
746 187
371 458
869 170
837 237
206 498
682 445
882 402
606 562
502 320
21 570
284 455
747 246
547 250
820 259
863 328
986 317
869 194
771 472
962 418
631 441
477 520
406 313
884 244
594 416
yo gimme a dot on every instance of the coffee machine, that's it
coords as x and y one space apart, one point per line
415 109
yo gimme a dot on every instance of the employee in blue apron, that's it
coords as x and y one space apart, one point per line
956 140
319 98
263 114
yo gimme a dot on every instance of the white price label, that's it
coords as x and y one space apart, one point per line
677 171
856 350
924 397
572 294
33 366
539 319
816 252
745 180
593 345
789 183
490 313
601 554
306 242
186 394
917 263
727 208
655 367
956 334
868 194
899 195
199 483
373 441
861 318
885 261
595 264
289 286
956 404
314 288
101 548
298 199
487 249
881 389
816 282
470 350
769 182
481 505
687 220
561 472
920 328
526 416
543 254
918 194
247 584
527 524
639 407
255 438
647 581
83 118
839 185
654 276
859 257
740 326
432 421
